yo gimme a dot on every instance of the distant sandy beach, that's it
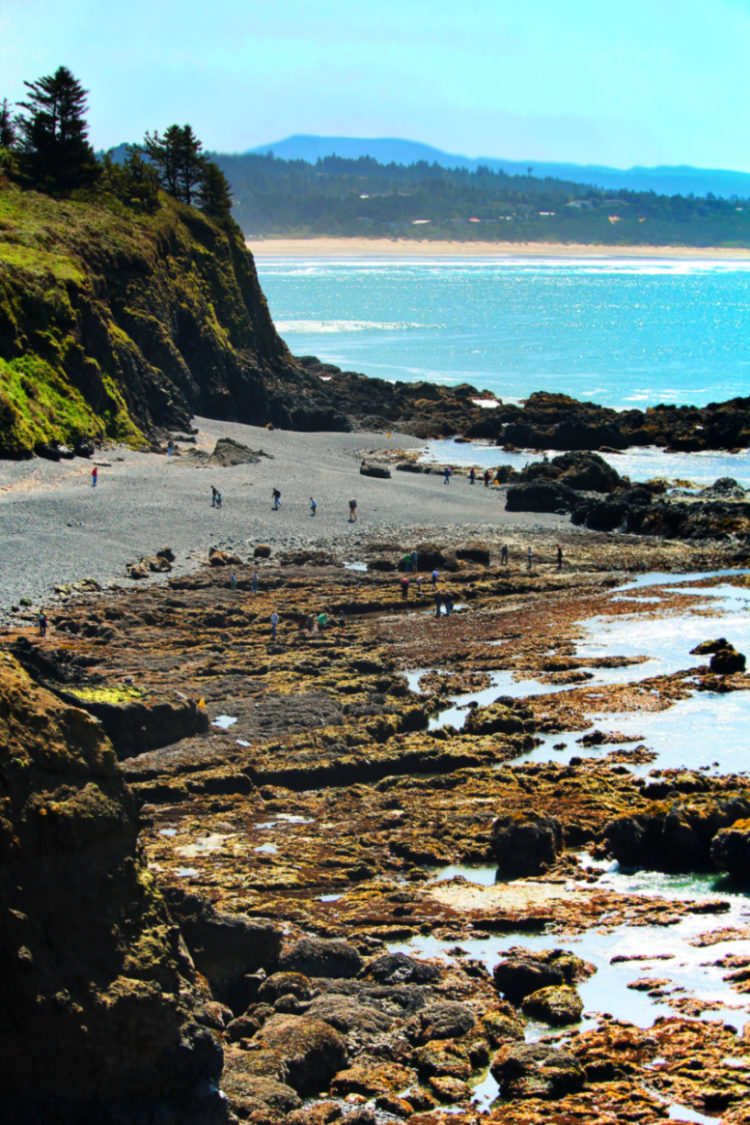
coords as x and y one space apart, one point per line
406 248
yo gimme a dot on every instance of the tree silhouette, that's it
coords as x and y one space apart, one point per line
177 159
55 153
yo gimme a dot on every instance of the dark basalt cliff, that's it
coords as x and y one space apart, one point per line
99 1019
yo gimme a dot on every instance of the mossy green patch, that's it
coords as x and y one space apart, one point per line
123 694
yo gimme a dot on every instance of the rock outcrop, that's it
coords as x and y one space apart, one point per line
98 1020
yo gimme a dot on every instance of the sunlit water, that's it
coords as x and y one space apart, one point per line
619 332
705 730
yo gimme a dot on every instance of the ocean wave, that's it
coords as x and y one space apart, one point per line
331 327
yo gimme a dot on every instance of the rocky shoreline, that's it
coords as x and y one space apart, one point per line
299 796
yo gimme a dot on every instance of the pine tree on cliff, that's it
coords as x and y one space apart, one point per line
54 149
178 160
215 199
7 128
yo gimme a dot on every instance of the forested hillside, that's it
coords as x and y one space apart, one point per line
336 196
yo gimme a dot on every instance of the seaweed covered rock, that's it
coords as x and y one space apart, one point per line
525 844
534 1070
556 1004
674 837
98 1020
312 1051
730 850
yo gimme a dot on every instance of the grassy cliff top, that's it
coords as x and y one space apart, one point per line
118 323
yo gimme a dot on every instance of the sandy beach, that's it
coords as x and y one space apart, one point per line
413 248
55 528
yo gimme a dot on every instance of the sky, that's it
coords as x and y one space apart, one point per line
646 82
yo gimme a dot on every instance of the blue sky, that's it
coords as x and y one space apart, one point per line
645 82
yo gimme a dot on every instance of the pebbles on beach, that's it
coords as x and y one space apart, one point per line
55 528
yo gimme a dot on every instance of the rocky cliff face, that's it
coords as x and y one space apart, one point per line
116 323
98 1020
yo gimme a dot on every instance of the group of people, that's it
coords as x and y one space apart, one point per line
314 623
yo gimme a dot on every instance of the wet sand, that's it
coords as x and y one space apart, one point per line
55 528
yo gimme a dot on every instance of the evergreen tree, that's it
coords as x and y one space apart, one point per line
177 159
7 126
215 197
55 152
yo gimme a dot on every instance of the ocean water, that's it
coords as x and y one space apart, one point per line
620 332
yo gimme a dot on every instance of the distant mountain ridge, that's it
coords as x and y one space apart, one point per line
664 180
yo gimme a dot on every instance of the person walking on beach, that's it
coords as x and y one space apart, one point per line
94 476
438 603
274 624
472 475
448 603
503 555
415 561
254 583
352 511
447 474
405 587
42 624
487 478
276 499
420 580
214 494
529 558
433 579
559 557
313 505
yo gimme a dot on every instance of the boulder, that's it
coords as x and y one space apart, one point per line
556 1004
525 843
539 496
705 648
261 551
312 1051
348 1014
730 850
399 968
518 977
504 716
445 1019
284 984
372 469
727 660
533 1070
320 957
228 452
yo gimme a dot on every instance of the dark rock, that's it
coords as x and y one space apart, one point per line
284 984
526 844
677 838
347 1014
228 452
539 496
518 977
533 1070
474 552
98 1009
730 850
398 968
370 469
319 957
261 551
705 648
445 1020
226 948
311 1050
727 660
556 1005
